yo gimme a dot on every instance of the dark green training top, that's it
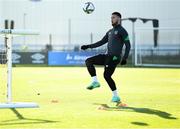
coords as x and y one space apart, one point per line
116 38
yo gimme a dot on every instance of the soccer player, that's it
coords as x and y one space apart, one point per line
116 38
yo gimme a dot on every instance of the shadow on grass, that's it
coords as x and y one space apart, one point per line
23 120
139 123
150 111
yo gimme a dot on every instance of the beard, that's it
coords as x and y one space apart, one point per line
115 23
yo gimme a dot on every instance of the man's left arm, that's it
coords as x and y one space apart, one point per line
126 41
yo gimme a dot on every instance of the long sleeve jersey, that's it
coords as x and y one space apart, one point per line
116 38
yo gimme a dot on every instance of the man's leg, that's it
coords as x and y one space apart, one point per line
107 75
110 67
90 62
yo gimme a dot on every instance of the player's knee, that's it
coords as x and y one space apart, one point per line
106 76
88 62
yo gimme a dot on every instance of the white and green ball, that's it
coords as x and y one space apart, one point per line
88 7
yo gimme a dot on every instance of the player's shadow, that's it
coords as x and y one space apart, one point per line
140 123
23 120
150 111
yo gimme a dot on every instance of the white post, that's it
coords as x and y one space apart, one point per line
133 43
135 47
135 52
9 70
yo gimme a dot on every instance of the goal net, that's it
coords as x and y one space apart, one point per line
158 47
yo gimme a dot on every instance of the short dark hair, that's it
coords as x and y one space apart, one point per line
117 14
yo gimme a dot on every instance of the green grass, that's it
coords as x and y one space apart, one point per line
152 95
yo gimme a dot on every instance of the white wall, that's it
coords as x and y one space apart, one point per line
51 16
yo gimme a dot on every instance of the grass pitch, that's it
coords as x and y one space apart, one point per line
152 96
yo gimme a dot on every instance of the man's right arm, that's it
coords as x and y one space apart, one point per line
100 43
97 44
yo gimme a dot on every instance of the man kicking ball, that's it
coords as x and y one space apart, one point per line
116 38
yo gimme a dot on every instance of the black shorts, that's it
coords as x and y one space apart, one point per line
106 60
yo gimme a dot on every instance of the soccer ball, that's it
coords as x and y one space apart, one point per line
88 7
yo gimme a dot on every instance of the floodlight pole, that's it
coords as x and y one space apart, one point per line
69 31
24 27
91 38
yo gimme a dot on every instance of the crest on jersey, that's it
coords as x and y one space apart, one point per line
116 32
